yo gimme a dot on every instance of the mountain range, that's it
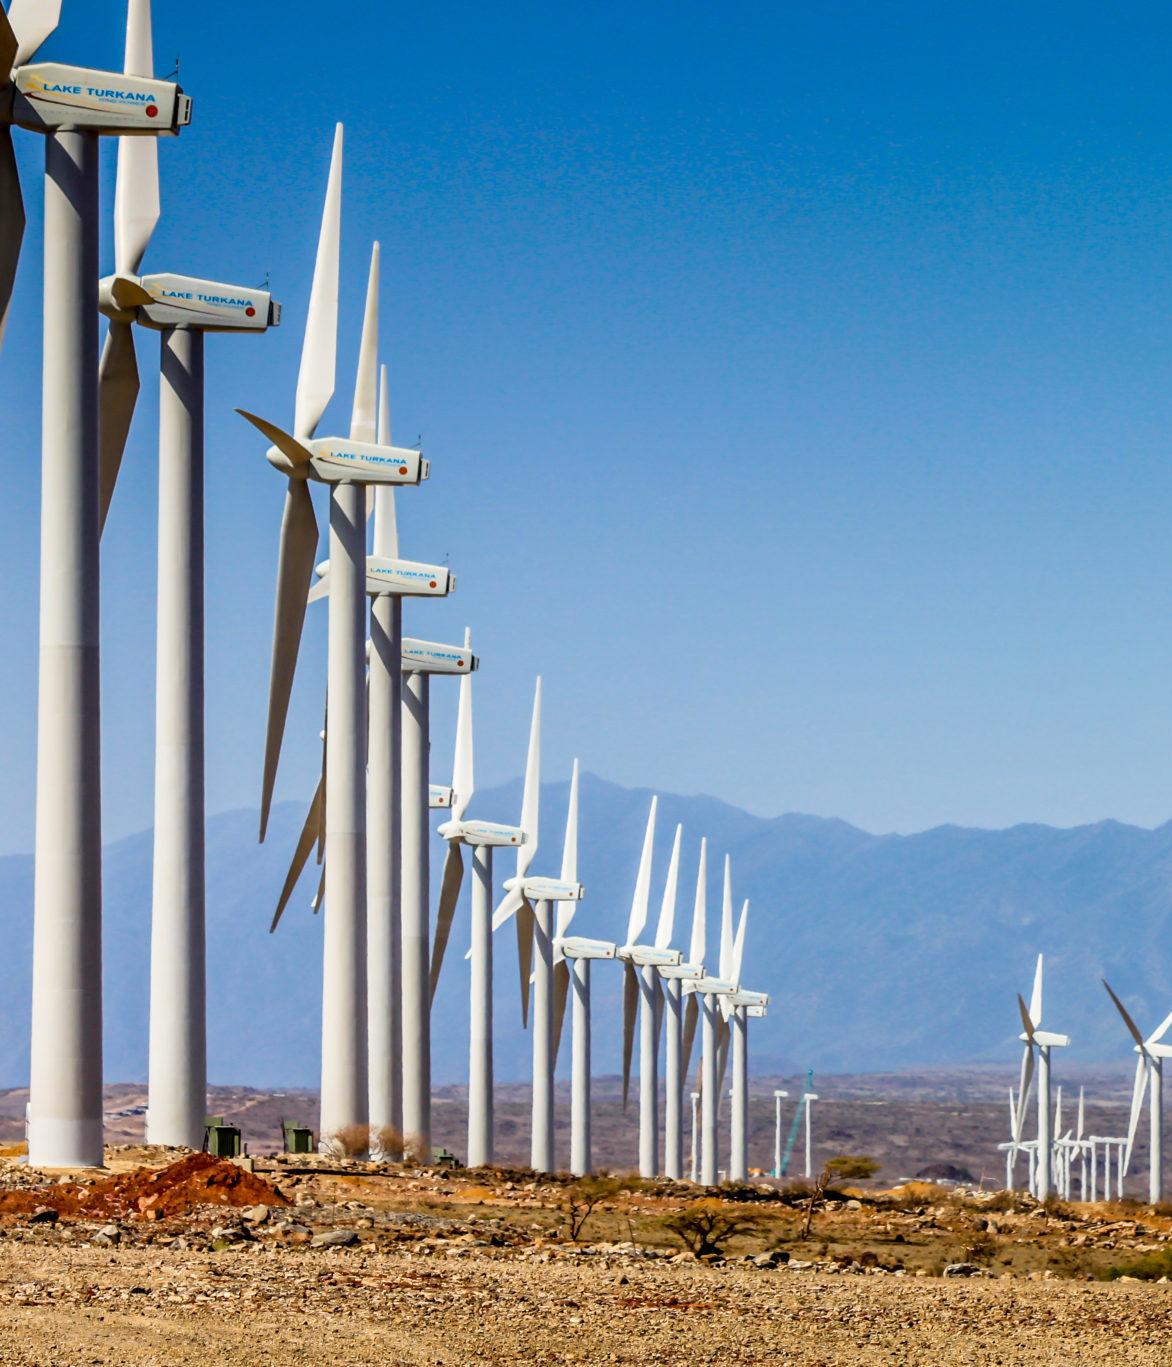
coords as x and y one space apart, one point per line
880 952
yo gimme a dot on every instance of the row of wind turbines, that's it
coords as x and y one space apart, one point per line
370 817
1054 1154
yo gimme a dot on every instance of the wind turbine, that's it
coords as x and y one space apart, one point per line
740 1006
71 107
1043 1041
701 1007
181 309
1149 1069
482 837
530 899
347 465
675 976
572 956
641 997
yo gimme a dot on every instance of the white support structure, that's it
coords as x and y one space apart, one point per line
65 1080
178 1031
480 1067
581 1148
541 1152
416 1004
673 1129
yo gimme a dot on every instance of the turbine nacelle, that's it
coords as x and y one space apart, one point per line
1045 1039
482 833
744 998
432 657
50 95
165 301
716 987
649 956
438 796
403 578
684 972
546 889
338 460
758 1011
576 947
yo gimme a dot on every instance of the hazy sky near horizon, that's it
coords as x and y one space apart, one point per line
797 381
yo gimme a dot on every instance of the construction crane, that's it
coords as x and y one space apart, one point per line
791 1138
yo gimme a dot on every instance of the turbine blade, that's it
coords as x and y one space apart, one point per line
1158 1033
726 923
565 910
1023 1091
637 920
1082 1114
32 21
293 451
449 896
381 498
509 904
531 798
1131 1025
319 350
462 768
1036 995
298 550
525 926
561 992
305 843
667 908
739 943
691 1017
630 1010
723 1036
1025 1017
700 909
657 1010
364 414
11 223
118 387
1137 1101
320 895
8 46
136 185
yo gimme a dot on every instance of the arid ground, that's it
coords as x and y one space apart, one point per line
177 1263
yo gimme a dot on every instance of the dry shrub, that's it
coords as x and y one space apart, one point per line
351 1141
386 1144
415 1150
705 1227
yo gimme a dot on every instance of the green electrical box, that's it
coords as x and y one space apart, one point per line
445 1158
296 1138
220 1139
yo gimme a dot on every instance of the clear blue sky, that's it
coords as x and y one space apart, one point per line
797 380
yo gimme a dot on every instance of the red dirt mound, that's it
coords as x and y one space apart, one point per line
198 1179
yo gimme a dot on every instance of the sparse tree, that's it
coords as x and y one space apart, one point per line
580 1198
706 1226
847 1167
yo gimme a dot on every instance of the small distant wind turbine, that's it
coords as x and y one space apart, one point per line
1149 1070
675 977
641 997
1035 1038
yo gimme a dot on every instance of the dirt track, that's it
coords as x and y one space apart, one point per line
160 1307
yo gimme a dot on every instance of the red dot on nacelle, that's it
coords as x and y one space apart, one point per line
250 312
402 469
432 584
152 111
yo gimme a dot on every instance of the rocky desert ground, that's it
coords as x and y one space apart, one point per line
177 1260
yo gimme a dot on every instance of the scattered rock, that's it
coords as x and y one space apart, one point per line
961 1270
334 1238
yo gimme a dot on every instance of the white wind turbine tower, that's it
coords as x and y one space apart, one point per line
181 309
576 952
482 837
1149 1070
347 465
1034 1037
675 977
741 1005
530 899
71 107
641 996
704 996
